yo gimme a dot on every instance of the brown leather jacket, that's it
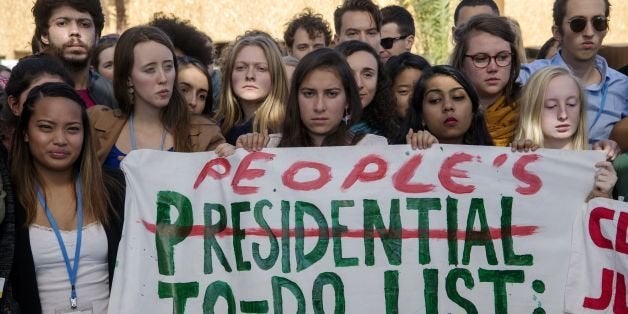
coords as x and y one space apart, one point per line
107 124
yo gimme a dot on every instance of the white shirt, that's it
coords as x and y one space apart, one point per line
53 282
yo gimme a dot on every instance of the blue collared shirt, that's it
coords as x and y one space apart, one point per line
601 117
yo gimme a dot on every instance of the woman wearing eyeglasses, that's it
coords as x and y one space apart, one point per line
486 52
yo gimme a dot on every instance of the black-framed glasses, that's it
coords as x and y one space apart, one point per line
388 42
579 23
482 60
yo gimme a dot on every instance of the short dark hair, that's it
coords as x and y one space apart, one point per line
312 23
400 16
477 134
191 41
474 3
42 10
357 5
560 10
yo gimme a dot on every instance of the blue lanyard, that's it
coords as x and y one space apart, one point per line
132 131
601 108
72 271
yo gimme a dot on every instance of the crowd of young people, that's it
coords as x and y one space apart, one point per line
82 102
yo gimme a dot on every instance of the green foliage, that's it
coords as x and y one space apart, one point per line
433 19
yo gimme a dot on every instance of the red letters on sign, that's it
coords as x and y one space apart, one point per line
595 231
605 296
447 172
358 172
220 168
324 176
244 172
621 245
401 179
604 300
520 172
208 170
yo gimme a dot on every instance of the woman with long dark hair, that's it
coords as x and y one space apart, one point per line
68 213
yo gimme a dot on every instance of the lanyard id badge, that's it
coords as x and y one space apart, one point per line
72 269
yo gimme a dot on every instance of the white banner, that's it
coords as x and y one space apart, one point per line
452 229
599 262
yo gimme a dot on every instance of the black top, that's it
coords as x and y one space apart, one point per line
23 276
7 235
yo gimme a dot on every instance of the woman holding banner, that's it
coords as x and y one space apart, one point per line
447 106
68 214
553 115
324 103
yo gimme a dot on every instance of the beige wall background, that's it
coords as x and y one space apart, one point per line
224 20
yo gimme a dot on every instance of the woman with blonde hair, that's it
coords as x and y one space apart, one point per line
553 115
254 87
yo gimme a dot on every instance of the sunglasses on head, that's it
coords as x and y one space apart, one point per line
578 24
388 42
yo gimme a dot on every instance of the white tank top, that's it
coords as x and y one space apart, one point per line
92 283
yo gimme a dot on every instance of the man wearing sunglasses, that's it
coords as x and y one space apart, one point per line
397 32
580 27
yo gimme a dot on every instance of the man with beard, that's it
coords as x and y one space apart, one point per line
69 31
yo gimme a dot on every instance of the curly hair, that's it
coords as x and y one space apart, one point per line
42 11
312 23
191 41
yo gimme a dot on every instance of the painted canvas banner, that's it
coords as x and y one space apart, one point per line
451 229
599 262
